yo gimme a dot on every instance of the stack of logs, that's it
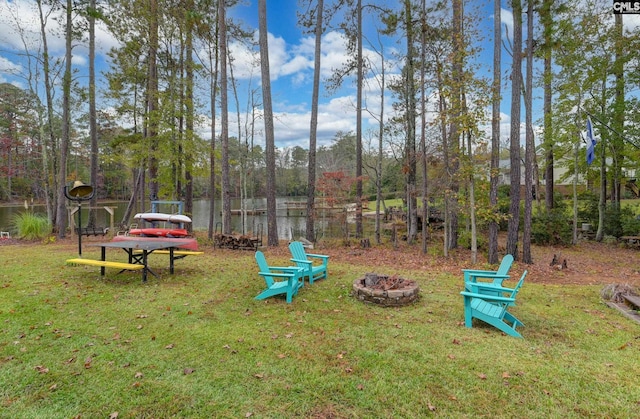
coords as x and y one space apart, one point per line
230 241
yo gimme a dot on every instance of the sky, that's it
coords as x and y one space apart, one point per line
291 58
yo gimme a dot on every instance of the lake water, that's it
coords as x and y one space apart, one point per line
291 223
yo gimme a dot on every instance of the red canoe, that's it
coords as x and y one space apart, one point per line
159 232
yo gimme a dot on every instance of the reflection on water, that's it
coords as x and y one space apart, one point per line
291 223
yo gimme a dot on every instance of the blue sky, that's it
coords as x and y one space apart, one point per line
291 62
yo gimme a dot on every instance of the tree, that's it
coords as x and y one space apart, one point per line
153 112
495 133
61 213
18 124
92 13
48 139
313 129
224 118
453 147
423 124
514 147
359 104
546 19
530 146
272 227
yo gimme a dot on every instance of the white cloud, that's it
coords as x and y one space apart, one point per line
631 22
506 18
8 66
21 26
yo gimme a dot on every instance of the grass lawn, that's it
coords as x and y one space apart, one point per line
197 344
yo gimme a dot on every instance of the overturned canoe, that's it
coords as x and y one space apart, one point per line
163 217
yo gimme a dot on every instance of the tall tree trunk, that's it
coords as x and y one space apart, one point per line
602 203
514 143
360 83
442 111
423 125
456 113
410 149
224 119
472 191
530 146
213 87
52 191
190 115
618 116
313 132
495 132
547 24
272 227
153 99
93 130
61 213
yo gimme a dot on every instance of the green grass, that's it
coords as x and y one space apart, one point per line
196 344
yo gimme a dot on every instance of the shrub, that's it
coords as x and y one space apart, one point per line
552 228
464 240
31 226
629 222
588 210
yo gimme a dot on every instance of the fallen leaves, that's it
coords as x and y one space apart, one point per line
42 369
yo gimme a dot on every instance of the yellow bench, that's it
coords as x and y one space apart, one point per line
105 264
177 254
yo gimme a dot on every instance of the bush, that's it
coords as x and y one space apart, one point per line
552 228
629 221
31 226
464 240
588 210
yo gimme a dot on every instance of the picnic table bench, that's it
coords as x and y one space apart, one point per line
631 240
177 254
92 231
632 300
106 264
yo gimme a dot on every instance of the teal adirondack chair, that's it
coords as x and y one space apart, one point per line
279 279
306 261
492 309
471 277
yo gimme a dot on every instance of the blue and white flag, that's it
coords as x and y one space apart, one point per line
591 143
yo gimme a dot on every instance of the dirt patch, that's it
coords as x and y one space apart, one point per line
589 263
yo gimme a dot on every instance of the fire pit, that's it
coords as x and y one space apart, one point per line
385 290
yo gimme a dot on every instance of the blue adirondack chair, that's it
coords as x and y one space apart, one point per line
305 260
471 277
492 309
279 279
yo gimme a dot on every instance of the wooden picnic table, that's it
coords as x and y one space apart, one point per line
632 240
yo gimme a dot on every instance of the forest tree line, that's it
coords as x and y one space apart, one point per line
438 139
